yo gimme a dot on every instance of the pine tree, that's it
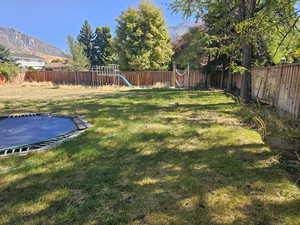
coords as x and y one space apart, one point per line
102 52
142 41
86 37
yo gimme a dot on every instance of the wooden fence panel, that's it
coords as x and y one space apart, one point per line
259 77
279 86
2 79
16 79
287 97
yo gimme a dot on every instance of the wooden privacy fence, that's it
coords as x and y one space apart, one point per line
2 79
16 79
222 81
279 86
137 78
148 78
191 79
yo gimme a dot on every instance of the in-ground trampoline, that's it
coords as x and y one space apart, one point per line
20 134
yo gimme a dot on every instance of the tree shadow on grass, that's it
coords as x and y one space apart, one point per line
130 185
149 176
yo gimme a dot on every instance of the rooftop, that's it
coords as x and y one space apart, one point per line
27 56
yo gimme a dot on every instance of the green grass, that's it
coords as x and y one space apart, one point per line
147 161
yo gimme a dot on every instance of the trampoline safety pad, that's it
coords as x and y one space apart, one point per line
28 132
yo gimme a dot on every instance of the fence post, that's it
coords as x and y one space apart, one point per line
275 101
173 80
222 78
91 79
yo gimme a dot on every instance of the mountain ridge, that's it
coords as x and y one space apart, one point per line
22 42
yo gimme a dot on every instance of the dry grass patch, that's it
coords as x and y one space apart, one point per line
34 91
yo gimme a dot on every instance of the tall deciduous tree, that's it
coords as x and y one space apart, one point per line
86 37
79 61
102 51
142 41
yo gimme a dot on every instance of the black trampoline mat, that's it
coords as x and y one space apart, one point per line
16 131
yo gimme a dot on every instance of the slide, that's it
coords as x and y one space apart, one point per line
126 81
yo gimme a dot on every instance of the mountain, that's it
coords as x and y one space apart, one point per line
21 42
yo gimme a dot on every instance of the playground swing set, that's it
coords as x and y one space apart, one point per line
111 75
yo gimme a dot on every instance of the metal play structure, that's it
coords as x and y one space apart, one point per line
110 75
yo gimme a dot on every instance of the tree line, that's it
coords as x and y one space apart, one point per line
234 36
142 42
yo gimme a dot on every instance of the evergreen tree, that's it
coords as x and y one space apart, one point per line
79 61
102 51
142 41
8 68
86 37
4 54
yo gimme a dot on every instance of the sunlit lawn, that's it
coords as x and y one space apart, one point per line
147 160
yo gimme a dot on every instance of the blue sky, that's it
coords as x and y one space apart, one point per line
51 21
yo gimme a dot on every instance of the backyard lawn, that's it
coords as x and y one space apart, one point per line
146 160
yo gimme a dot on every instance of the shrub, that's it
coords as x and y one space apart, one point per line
57 60
30 68
8 70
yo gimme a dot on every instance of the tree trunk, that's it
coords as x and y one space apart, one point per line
229 82
207 82
247 9
173 80
221 80
223 77
246 77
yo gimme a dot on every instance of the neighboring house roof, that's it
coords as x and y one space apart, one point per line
56 65
180 42
26 56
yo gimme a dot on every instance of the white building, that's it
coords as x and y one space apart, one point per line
25 60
